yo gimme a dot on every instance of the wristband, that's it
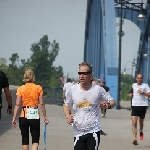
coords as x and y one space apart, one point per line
109 106
10 107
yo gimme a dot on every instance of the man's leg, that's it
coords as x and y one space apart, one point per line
134 126
141 120
80 143
134 117
93 141
134 129
141 123
102 111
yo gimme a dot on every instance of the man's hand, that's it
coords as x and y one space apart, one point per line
105 104
139 91
70 118
130 94
9 111
64 97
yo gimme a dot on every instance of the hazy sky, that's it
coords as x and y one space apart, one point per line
24 22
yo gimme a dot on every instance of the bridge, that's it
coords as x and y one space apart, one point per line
100 48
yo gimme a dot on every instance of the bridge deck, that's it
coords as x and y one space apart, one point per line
117 124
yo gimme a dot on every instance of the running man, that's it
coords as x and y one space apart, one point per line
141 92
66 88
86 99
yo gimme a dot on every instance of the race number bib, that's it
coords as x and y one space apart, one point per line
32 113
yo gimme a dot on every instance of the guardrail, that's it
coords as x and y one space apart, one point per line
53 95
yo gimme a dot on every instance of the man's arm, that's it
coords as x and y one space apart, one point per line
108 104
5 86
67 112
112 103
109 101
130 94
108 91
145 94
8 99
64 91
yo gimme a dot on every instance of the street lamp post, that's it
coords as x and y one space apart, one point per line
119 62
140 17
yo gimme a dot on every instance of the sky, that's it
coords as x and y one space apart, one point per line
24 22
130 45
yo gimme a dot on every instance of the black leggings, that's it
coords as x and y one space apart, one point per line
89 141
34 125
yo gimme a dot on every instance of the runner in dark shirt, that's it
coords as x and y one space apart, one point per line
103 84
5 85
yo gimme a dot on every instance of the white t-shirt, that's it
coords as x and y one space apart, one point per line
139 99
67 87
86 106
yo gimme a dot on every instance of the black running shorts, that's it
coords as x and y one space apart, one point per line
89 141
139 111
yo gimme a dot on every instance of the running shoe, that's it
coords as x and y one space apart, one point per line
103 115
135 142
141 136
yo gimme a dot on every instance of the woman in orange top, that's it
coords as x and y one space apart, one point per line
30 96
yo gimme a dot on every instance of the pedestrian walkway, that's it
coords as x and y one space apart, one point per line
117 124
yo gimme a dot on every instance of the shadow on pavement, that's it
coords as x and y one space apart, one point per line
5 125
6 119
103 133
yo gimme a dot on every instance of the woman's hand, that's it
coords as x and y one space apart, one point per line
46 121
14 122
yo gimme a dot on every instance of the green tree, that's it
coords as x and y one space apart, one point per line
14 58
44 54
41 61
127 81
13 74
3 61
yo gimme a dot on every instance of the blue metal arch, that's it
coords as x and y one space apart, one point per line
130 14
100 43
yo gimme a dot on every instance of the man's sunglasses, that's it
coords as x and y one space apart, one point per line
84 73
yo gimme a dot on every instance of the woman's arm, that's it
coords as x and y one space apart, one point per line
16 109
17 106
42 106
